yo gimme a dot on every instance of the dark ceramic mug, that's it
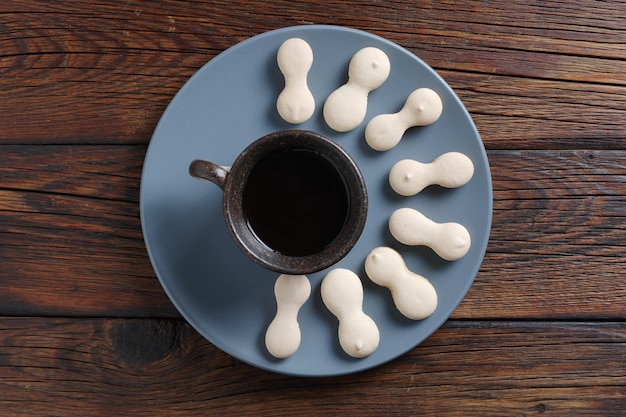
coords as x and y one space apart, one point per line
294 201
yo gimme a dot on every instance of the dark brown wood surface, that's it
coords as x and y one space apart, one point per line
85 328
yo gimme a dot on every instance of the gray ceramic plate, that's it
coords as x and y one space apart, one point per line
230 102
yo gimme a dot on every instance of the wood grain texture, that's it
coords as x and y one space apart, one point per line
86 329
163 368
118 67
526 113
70 233
558 227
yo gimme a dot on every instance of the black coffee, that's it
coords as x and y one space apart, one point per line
296 202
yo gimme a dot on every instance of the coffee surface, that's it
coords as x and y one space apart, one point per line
296 202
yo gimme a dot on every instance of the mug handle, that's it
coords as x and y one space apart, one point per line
209 171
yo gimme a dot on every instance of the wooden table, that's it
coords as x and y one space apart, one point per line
85 327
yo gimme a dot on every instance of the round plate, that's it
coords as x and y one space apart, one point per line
230 102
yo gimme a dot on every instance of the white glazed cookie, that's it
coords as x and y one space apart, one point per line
295 103
414 296
282 337
345 108
342 293
451 240
450 170
422 107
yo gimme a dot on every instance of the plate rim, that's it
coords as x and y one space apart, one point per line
257 38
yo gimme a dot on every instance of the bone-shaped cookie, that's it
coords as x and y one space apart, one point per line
414 296
342 293
282 337
295 103
422 107
450 240
451 170
345 108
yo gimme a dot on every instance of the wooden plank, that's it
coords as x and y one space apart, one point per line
558 227
558 234
544 82
99 172
88 75
95 367
75 256
525 113
70 234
